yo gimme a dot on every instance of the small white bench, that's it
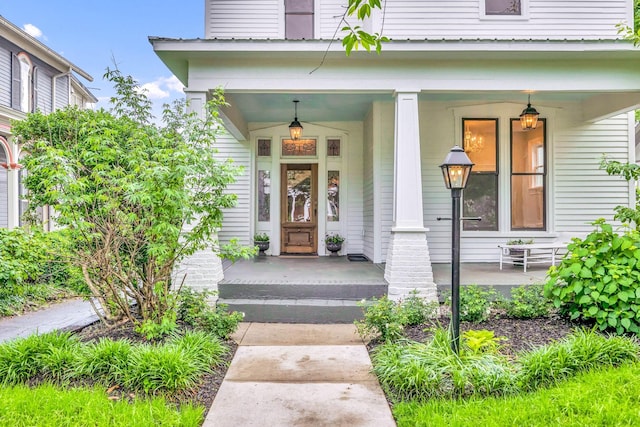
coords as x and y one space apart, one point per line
534 253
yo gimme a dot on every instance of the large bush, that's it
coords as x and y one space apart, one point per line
137 197
599 279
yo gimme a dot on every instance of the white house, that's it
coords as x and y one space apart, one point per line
32 77
377 127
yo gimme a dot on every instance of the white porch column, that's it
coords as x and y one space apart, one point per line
13 190
203 270
408 264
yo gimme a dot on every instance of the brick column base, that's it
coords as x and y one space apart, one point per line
201 271
408 266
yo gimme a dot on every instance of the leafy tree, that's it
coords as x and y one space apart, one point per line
137 197
356 36
630 172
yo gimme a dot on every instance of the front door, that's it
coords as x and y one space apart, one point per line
299 209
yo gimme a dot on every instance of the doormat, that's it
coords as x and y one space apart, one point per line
357 257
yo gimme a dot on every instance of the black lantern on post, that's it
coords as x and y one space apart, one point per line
456 169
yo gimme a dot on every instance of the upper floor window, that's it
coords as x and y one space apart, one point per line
503 7
298 17
22 87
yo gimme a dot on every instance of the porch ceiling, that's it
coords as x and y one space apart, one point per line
327 107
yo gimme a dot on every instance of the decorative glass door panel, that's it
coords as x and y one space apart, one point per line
299 208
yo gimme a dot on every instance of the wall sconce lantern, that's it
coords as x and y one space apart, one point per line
295 128
529 117
456 169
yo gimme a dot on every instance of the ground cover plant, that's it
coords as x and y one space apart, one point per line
607 397
47 405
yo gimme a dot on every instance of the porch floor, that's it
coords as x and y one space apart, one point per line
339 270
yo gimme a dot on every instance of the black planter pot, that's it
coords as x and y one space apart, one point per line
517 256
334 248
262 246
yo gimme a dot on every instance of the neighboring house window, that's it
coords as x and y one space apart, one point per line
298 17
22 83
503 7
528 171
480 197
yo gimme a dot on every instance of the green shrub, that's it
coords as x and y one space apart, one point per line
482 341
417 310
599 279
528 302
34 267
581 351
381 317
106 360
429 370
475 302
162 369
202 346
24 358
195 310
608 397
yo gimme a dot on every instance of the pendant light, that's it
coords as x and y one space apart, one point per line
529 117
295 128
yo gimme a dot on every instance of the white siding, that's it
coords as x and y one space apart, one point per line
5 77
578 197
355 225
236 222
244 19
329 18
385 207
434 19
554 19
368 188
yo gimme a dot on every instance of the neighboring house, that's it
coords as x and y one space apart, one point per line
378 126
32 77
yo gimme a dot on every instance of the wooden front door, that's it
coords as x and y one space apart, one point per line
299 209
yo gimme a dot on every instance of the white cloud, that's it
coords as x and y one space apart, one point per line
32 30
162 87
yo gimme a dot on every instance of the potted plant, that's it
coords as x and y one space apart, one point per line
333 243
261 240
517 254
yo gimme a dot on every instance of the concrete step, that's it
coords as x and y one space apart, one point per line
305 310
278 290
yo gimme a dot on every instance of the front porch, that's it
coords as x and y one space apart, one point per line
327 289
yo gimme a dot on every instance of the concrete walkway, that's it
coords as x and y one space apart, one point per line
299 375
68 315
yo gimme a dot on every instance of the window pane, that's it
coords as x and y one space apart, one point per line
528 170
298 6
481 200
527 204
299 26
299 195
502 7
264 195
333 196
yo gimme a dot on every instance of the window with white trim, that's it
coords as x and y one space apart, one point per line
22 83
503 7
298 19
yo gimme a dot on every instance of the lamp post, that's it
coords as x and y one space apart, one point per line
456 169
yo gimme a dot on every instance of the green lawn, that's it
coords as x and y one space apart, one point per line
50 406
608 397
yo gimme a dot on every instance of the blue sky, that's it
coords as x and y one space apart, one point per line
91 34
